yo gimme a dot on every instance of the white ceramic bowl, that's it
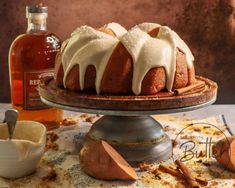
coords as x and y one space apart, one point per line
21 155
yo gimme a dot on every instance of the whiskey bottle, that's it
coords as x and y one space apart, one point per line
31 58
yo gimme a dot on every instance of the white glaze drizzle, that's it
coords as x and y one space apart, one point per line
146 27
148 52
118 30
88 46
179 43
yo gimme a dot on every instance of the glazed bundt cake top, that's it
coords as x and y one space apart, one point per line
88 46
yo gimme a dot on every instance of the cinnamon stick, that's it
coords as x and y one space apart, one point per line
191 180
202 181
171 171
178 174
197 84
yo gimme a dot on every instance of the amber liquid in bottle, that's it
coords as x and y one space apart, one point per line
31 58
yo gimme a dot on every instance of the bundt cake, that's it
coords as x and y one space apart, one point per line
111 60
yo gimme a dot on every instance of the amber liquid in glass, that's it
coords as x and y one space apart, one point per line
31 58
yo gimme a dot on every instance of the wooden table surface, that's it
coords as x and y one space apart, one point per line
70 159
227 110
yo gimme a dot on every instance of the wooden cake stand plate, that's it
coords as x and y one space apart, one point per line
127 124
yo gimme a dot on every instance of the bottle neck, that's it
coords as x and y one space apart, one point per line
36 22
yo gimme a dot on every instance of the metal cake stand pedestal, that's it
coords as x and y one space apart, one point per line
127 124
134 134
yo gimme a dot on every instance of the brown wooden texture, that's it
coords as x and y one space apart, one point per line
51 92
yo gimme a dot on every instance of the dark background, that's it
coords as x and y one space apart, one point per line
207 26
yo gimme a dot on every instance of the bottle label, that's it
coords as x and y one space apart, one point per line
32 99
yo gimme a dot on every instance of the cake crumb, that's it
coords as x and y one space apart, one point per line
174 143
156 173
206 163
84 115
51 176
167 128
69 121
197 129
144 166
217 133
51 138
51 145
206 127
88 118
187 137
213 183
202 153
199 161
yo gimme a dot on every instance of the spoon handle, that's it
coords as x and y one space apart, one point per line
11 118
